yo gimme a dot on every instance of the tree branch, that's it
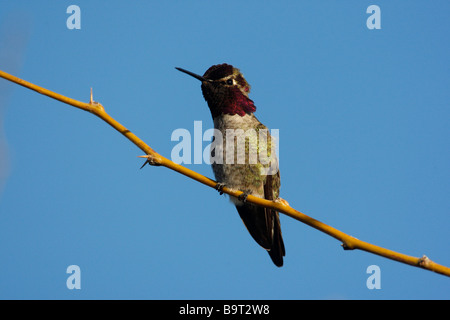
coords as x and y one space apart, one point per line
153 158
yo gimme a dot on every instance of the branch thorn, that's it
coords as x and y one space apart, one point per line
150 160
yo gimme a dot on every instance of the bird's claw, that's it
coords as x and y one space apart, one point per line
243 196
219 187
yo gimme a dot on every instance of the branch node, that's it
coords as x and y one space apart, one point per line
424 262
347 247
282 202
151 160
94 105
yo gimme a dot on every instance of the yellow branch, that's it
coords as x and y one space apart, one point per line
348 242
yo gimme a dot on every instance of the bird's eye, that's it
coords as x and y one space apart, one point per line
230 82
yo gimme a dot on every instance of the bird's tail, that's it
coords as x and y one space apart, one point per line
264 226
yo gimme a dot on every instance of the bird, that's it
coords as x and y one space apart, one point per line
238 136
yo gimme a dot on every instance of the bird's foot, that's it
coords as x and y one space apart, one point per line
219 187
243 197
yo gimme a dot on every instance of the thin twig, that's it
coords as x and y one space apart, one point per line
153 158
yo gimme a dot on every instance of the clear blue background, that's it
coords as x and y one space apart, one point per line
364 120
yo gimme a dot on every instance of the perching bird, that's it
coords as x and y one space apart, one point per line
239 136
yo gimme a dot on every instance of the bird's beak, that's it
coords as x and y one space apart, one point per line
196 76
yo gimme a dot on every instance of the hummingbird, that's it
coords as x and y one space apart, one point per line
227 94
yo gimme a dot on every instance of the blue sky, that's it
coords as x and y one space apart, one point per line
363 117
